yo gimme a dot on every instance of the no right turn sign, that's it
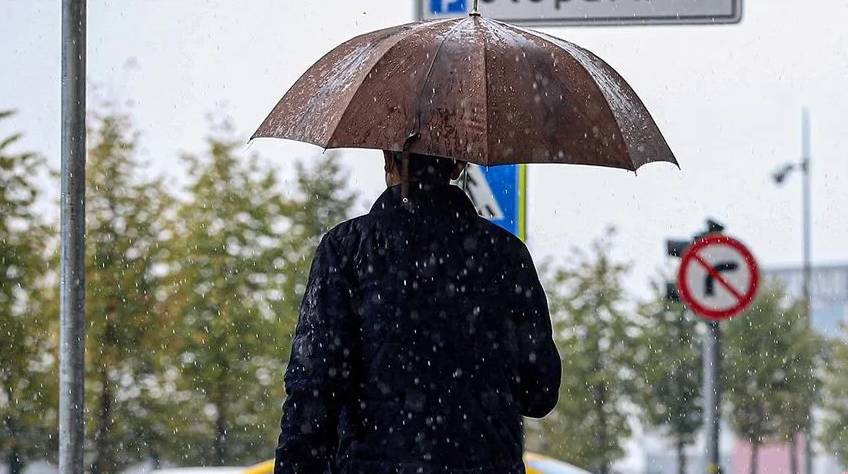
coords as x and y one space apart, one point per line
718 277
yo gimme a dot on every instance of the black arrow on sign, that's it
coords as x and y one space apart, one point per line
709 280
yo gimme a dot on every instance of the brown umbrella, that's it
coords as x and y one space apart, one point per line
473 89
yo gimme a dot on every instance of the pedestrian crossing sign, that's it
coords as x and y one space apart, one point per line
500 195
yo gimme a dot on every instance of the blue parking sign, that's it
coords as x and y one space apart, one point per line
499 193
448 6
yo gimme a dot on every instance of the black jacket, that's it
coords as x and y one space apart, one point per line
423 337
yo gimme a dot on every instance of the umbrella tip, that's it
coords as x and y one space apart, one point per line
474 11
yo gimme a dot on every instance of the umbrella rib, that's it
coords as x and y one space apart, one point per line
486 94
613 75
520 48
409 32
318 142
417 125
555 41
624 140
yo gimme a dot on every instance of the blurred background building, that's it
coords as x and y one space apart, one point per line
829 291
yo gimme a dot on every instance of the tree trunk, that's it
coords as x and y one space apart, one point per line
221 436
16 466
14 461
104 455
681 456
793 453
603 436
755 454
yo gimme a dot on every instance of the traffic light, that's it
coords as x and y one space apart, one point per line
676 248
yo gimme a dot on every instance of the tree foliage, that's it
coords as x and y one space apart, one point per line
770 368
28 412
596 337
238 269
835 422
124 246
322 199
224 263
669 361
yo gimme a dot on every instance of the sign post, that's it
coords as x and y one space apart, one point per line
712 396
718 278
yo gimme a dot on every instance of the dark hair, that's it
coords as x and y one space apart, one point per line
426 168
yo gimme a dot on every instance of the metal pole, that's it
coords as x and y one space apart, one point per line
806 157
72 236
712 395
677 384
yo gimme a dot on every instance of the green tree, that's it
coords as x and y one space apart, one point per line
123 250
595 335
835 423
239 272
802 382
323 199
770 356
669 363
28 371
227 281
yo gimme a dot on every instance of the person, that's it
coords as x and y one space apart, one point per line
423 338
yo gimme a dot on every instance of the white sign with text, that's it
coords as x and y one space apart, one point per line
590 12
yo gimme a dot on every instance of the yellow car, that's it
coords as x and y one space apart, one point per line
534 463
538 464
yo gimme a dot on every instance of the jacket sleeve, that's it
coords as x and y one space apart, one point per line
539 362
322 371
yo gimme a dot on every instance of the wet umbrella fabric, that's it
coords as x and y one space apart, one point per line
472 89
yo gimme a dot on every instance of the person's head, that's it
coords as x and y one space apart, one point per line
422 168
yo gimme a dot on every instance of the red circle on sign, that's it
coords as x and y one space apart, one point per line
689 258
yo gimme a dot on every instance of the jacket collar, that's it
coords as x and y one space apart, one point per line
441 198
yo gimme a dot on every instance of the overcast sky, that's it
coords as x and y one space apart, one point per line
728 99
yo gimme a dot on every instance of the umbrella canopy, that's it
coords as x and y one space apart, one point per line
472 89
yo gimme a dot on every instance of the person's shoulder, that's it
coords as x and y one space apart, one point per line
504 240
345 231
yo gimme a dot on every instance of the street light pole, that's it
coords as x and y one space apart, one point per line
806 199
72 240
806 158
